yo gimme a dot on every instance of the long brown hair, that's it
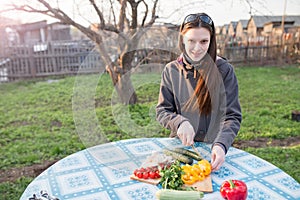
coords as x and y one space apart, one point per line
207 85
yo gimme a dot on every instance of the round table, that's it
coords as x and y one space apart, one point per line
103 172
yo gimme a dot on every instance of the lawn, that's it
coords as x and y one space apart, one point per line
46 120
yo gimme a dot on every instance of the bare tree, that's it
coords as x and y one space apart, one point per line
127 21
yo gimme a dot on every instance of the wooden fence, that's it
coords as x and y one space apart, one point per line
72 57
263 55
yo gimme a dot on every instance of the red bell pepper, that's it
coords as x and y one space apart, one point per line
234 190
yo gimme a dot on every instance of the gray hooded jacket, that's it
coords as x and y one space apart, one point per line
177 86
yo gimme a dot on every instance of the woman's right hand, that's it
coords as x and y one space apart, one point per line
186 133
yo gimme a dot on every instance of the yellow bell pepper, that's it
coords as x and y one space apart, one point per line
205 166
195 172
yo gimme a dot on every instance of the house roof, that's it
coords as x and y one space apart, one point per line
295 18
244 22
225 26
31 26
234 23
260 21
4 21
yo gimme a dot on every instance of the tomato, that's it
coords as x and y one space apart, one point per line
149 172
139 174
157 175
148 169
135 172
142 170
152 175
155 168
145 175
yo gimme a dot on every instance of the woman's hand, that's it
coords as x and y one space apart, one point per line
217 157
186 133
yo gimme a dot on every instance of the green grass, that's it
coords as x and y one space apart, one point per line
14 190
36 123
37 118
268 96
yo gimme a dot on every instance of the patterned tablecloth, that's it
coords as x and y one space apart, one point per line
103 171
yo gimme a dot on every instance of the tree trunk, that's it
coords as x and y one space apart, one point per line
125 89
122 84
120 75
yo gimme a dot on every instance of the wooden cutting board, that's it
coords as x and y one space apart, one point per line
203 186
150 181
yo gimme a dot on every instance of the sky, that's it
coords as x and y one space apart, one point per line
173 11
224 11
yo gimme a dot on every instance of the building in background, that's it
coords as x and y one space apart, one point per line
7 35
241 32
40 32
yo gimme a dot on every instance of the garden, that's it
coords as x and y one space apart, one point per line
37 125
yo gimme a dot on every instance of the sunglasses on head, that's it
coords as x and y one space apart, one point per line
197 17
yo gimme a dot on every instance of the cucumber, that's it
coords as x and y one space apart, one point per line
178 156
188 153
168 194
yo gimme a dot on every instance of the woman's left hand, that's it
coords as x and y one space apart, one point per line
217 157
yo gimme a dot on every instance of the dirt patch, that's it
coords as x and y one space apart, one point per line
56 123
13 174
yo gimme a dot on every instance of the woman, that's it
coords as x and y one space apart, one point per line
198 99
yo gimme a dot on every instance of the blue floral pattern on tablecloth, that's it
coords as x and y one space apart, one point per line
255 163
289 183
137 192
103 172
78 181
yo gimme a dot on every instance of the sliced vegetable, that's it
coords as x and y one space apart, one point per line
196 172
167 194
178 156
205 166
188 153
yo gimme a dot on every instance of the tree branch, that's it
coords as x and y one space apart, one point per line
30 9
62 16
113 12
99 13
134 22
154 16
122 15
146 13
